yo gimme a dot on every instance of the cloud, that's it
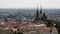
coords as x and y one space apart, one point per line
29 3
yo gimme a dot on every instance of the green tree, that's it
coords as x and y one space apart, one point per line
58 27
17 32
50 24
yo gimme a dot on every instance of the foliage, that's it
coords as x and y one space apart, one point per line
50 23
58 27
17 32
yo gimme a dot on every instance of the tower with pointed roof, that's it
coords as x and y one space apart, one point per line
40 14
40 10
37 15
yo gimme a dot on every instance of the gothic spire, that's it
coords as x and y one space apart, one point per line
37 14
40 10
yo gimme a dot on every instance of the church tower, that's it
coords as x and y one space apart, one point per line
37 15
40 14
40 10
40 17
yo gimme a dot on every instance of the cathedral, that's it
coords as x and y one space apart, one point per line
40 16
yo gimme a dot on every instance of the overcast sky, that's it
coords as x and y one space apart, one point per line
29 3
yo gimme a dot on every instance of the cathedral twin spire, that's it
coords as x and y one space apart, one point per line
40 10
38 14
